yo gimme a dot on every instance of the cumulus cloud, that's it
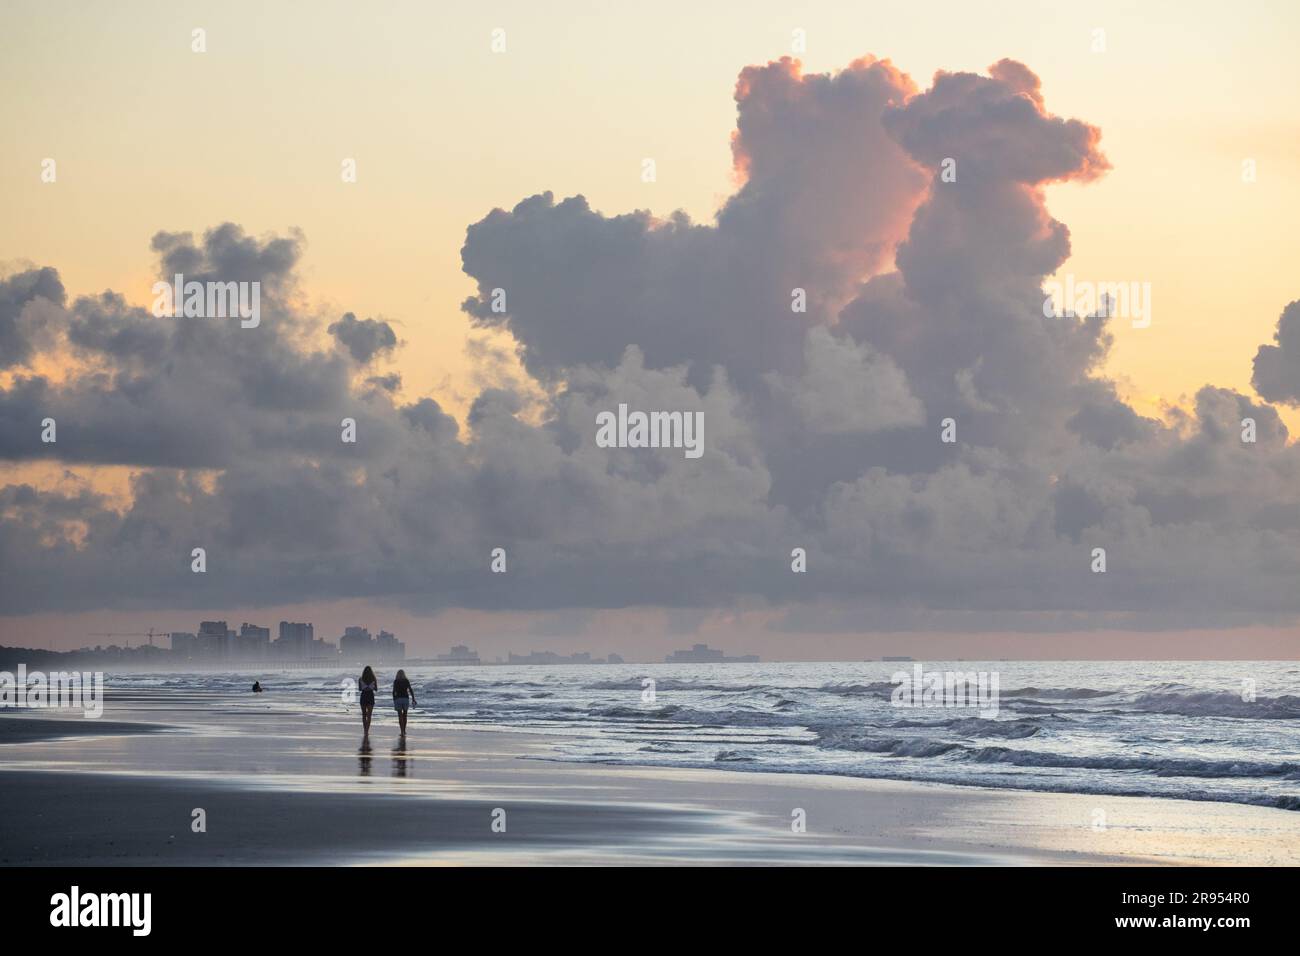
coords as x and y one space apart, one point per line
827 195
846 387
25 300
822 425
363 338
189 392
1277 367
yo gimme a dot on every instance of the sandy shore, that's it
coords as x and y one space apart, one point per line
275 788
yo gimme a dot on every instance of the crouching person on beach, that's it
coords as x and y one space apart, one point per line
403 697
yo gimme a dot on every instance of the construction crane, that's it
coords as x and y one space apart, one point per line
151 634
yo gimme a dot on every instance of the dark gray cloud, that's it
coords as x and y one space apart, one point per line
227 254
190 392
388 383
24 301
363 338
827 194
822 427
1277 367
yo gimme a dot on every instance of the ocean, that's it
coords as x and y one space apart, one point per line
1220 731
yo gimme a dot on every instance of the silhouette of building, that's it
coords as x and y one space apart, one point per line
213 641
703 654
295 641
388 647
460 654
356 643
254 642
550 657
183 644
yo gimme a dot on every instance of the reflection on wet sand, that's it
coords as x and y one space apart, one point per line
363 757
400 760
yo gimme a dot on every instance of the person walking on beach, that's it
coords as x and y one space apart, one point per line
403 697
369 684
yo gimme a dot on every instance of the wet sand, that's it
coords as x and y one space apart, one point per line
70 819
22 729
280 788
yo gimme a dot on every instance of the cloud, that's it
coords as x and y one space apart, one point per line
188 392
997 130
1277 367
846 387
391 382
24 302
577 283
363 338
822 427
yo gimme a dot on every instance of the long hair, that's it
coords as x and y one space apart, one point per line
368 676
401 675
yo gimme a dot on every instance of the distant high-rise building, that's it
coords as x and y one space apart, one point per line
253 641
295 640
183 644
356 643
460 654
389 648
211 641
703 654
550 657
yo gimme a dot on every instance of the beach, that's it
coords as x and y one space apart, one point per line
275 787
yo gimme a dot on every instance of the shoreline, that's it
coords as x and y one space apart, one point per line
278 790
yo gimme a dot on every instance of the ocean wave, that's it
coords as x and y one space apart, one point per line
876 689
682 714
1118 786
1058 693
1016 729
629 712
1218 704
668 683
1159 766
732 756
895 746
925 747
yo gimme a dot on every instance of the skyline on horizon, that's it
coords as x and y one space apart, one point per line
652 635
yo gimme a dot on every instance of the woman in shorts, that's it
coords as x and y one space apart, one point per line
403 697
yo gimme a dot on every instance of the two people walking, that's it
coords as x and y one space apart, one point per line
403 697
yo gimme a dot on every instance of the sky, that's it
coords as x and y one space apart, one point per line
1112 149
